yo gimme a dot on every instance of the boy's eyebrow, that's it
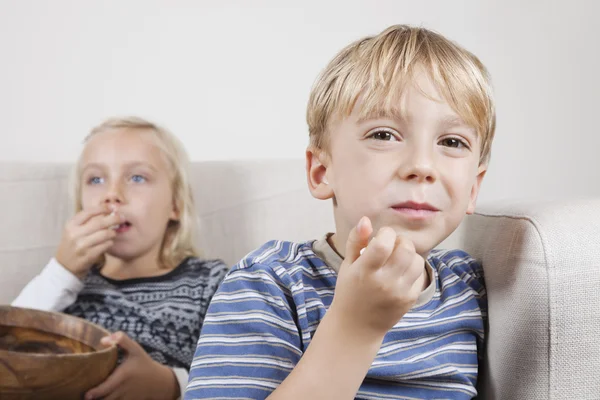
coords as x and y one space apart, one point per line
452 121
393 114
447 122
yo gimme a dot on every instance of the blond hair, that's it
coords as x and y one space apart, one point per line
377 69
178 241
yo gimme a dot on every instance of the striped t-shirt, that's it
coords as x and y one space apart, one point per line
263 316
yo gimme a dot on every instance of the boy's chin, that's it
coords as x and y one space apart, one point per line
424 241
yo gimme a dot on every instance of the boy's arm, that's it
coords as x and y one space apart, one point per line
248 347
377 284
249 342
54 289
334 364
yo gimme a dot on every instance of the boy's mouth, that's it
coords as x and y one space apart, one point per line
411 205
414 210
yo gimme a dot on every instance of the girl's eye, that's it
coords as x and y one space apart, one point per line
95 180
454 142
383 135
138 179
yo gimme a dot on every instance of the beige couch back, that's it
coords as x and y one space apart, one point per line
541 261
240 204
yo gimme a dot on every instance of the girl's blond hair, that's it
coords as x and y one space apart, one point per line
376 69
178 241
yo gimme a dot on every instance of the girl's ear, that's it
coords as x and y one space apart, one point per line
175 212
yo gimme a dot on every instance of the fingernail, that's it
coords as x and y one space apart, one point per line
361 223
108 339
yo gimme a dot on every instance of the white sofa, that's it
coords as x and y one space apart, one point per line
541 260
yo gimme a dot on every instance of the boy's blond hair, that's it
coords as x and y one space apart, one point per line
376 69
178 241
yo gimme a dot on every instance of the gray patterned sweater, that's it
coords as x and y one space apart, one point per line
164 314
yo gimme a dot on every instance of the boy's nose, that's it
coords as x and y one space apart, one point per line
418 167
421 173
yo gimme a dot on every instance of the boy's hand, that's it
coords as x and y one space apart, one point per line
374 290
86 236
137 377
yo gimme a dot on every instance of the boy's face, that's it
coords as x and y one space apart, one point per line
125 169
417 172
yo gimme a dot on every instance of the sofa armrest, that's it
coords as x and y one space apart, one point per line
542 271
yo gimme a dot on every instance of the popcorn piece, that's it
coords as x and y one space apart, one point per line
114 210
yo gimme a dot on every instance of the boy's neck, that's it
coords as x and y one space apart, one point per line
144 266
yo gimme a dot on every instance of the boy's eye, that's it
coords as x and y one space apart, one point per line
453 142
95 180
138 179
383 135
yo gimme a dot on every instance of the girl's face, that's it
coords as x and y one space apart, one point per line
126 170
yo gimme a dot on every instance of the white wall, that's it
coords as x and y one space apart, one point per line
231 78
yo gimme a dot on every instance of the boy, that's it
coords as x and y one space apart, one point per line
400 132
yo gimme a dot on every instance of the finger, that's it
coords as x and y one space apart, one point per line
416 270
402 257
125 342
116 395
96 238
98 223
99 249
83 216
416 267
379 249
107 387
358 239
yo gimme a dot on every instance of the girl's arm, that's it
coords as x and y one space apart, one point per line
54 289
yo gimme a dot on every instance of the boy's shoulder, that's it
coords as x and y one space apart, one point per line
277 254
280 267
283 261
457 262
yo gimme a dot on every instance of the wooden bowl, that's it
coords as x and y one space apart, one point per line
48 355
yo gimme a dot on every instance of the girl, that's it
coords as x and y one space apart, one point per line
126 259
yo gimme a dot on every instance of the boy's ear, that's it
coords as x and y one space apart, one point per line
316 174
475 189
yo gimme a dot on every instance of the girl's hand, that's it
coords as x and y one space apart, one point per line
137 377
85 238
